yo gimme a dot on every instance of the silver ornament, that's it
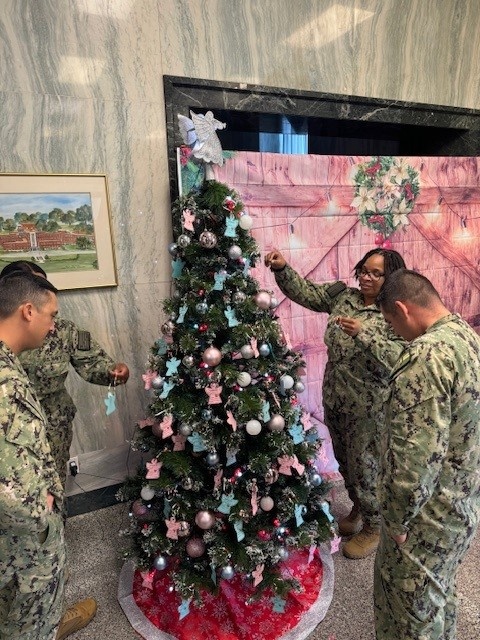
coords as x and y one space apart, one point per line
157 382
147 493
185 429
212 458
299 387
245 222
227 572
316 479
188 361
173 248
286 382
234 252
201 308
239 297
183 240
264 349
253 427
244 379
283 553
208 240
168 328
263 299
207 414
273 303
160 563
247 352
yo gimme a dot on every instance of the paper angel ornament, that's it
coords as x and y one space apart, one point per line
199 134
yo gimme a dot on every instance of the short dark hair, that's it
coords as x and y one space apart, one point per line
392 260
21 287
22 266
407 285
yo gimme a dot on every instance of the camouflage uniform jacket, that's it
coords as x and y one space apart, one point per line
357 372
431 452
48 367
27 469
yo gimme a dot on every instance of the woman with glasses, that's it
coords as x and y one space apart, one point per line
361 351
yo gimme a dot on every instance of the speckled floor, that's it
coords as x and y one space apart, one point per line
95 561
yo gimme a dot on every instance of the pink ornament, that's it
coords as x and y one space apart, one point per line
212 356
387 244
276 423
266 503
263 300
379 239
139 509
205 520
195 547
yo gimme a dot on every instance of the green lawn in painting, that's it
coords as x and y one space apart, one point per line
59 264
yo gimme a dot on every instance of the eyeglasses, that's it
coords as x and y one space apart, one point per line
373 275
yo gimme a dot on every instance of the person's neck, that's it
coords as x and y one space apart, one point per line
430 317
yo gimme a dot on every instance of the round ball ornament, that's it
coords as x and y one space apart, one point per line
212 356
286 382
245 222
263 300
185 429
208 240
239 297
173 248
266 503
157 382
253 427
273 303
168 328
184 529
316 480
212 458
201 308
205 520
227 572
139 510
147 493
264 349
247 352
195 547
299 387
160 563
276 423
188 361
183 240
207 414
244 379
234 252
283 553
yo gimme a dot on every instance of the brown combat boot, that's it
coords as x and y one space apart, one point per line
362 544
76 617
350 524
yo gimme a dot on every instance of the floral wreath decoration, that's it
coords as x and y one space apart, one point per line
385 193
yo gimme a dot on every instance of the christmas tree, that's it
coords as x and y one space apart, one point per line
232 486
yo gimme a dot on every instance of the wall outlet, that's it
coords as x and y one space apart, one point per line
73 466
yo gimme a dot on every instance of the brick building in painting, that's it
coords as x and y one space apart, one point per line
28 238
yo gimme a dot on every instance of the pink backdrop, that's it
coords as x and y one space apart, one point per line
301 205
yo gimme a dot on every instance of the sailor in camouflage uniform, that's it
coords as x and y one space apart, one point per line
32 552
361 351
48 367
430 481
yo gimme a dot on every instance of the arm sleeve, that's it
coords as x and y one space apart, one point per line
418 433
381 342
92 364
317 297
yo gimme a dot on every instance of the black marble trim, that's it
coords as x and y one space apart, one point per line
182 93
92 500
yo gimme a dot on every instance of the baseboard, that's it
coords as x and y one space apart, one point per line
92 500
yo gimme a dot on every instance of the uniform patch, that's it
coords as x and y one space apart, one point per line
336 288
83 341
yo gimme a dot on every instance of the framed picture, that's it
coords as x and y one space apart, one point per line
61 222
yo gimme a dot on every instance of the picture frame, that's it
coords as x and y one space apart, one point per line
62 222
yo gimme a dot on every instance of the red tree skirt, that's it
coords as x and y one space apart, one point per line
153 610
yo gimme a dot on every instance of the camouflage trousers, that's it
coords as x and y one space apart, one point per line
32 585
356 446
60 434
414 583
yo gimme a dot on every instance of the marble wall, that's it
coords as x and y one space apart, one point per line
81 92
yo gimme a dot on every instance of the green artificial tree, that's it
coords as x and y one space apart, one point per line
232 485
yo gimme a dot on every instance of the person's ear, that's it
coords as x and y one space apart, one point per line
27 311
402 309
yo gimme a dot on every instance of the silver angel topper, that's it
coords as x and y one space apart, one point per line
199 134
